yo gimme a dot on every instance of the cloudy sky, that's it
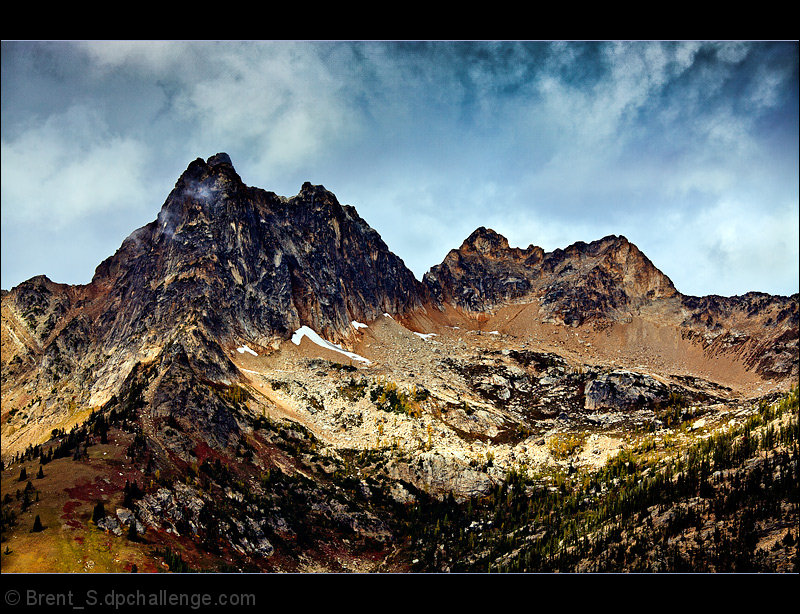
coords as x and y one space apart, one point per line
689 149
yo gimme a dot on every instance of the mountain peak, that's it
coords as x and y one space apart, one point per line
310 189
219 158
485 241
217 241
199 169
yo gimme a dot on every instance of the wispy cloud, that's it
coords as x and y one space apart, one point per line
68 167
549 142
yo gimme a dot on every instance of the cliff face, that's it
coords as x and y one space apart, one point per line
245 263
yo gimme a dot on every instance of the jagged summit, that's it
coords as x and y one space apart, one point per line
310 188
583 281
220 158
485 241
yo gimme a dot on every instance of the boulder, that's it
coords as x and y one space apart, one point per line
624 390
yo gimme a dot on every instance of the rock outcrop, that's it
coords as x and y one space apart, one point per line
624 390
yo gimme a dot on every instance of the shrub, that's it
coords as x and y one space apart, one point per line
388 397
564 445
353 390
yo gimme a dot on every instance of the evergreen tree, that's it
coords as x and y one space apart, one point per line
23 475
26 501
99 512
40 475
133 534
37 525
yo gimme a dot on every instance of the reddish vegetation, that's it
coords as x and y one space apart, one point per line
204 452
68 515
88 491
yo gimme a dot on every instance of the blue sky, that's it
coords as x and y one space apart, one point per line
689 149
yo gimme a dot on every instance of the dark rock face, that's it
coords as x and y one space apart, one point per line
42 304
239 262
484 271
243 262
624 390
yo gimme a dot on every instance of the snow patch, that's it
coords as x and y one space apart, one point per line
305 331
425 335
388 316
244 349
494 332
358 325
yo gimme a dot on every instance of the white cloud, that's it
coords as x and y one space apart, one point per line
70 166
730 248
732 51
158 56
276 100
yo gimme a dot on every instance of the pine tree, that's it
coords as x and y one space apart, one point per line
23 475
40 475
37 525
26 501
99 512
133 535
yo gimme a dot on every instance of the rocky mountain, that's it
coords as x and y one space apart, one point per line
221 264
608 278
612 281
246 263
285 395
